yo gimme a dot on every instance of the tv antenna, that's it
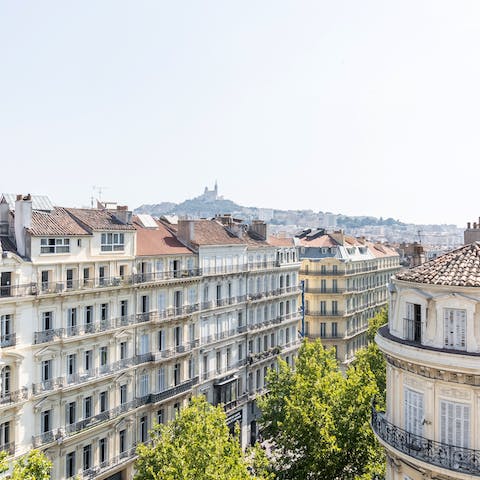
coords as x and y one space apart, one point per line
97 191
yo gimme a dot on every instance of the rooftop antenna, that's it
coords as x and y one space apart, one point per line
98 189
419 233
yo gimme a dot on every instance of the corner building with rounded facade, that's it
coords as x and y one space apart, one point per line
431 427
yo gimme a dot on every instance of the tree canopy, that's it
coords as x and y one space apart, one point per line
197 445
318 418
33 466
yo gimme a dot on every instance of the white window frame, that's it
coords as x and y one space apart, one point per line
455 423
112 242
53 245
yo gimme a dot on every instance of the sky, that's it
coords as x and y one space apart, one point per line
354 107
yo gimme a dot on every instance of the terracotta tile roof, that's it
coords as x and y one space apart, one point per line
281 241
460 267
95 219
322 241
378 250
211 232
56 222
157 241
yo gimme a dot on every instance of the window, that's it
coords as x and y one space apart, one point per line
104 311
455 322
69 273
323 308
102 450
103 401
5 378
71 321
103 356
87 457
160 416
334 329
124 308
87 407
144 348
176 374
71 413
113 242
72 364
144 387
47 320
413 322
123 350
413 410
143 429
323 329
455 424
122 435
70 465
123 394
46 370
45 421
54 245
161 340
4 433
161 379
5 329
88 357
89 317
334 307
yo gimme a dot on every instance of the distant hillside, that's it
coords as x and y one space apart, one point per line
210 204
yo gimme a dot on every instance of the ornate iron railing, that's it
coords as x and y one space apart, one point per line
451 457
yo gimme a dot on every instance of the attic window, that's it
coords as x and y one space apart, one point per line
55 245
113 242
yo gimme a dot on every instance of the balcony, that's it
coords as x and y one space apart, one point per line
13 397
51 335
18 290
172 392
8 447
331 291
458 459
324 313
8 340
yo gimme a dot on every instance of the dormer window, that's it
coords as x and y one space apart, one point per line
113 242
55 245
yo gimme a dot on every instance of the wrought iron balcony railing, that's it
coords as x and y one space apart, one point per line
13 397
8 340
451 457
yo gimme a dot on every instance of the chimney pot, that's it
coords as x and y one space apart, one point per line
19 197
469 225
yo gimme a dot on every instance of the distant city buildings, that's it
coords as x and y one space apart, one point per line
110 322
431 344
345 281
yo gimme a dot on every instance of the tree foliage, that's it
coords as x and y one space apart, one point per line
318 418
197 445
33 466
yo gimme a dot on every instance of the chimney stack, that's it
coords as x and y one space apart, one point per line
259 228
186 231
123 214
23 220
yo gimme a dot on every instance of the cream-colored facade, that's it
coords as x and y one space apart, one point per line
432 347
108 326
345 282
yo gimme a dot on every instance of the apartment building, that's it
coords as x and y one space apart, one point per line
431 344
109 323
345 282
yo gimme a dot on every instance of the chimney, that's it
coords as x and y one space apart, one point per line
469 225
186 231
123 215
23 220
338 236
259 228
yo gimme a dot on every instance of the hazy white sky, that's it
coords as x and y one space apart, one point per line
359 107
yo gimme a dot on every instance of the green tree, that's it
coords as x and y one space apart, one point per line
372 357
3 461
33 466
318 418
197 445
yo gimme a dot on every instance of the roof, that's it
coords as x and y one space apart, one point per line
379 250
322 241
281 241
157 241
460 267
56 222
6 245
95 219
211 232
39 202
